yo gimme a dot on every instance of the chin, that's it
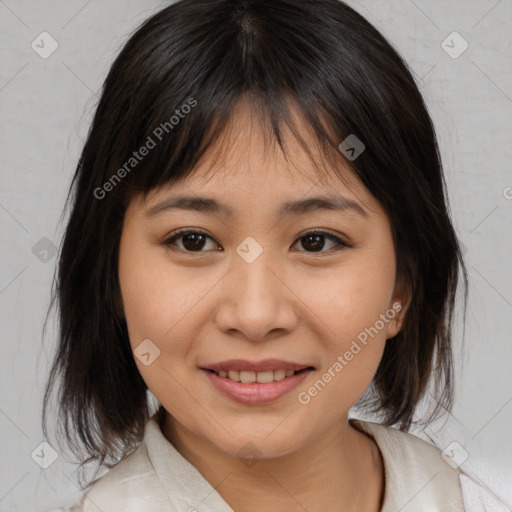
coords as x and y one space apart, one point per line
251 443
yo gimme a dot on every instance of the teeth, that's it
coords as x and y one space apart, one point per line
247 377
262 377
280 374
234 375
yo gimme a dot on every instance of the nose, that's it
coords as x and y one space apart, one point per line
257 299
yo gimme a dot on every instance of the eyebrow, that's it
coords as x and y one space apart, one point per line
300 207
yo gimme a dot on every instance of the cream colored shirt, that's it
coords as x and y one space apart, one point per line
157 478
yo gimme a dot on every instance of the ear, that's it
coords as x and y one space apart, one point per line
397 310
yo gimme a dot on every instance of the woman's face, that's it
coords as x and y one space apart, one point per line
256 285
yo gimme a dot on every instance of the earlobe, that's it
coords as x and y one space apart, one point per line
398 308
394 314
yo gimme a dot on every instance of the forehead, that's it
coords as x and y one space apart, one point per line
246 161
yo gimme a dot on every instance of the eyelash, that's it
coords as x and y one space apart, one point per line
170 241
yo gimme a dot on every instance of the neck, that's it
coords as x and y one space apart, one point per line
343 465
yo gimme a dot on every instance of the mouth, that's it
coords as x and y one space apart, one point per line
261 377
251 387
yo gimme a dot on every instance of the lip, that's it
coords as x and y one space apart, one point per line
256 393
265 365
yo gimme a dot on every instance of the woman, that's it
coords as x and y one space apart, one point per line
260 238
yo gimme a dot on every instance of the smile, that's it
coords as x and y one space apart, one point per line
255 388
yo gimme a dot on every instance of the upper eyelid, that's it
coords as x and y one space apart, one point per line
184 231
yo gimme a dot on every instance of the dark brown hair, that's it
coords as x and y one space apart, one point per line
344 78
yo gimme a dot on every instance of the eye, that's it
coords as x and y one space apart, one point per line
195 240
314 240
192 240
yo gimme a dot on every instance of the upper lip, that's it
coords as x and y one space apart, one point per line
265 365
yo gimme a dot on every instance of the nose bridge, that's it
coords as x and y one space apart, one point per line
255 269
257 300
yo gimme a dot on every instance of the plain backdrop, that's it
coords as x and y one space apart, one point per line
46 105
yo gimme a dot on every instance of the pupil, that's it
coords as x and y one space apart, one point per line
195 239
316 245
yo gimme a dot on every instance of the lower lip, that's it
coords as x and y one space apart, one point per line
255 393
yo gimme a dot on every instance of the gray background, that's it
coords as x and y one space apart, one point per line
46 106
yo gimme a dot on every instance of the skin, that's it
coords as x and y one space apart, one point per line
291 303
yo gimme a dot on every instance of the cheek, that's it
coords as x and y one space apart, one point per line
350 300
146 301
353 338
158 319
155 298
